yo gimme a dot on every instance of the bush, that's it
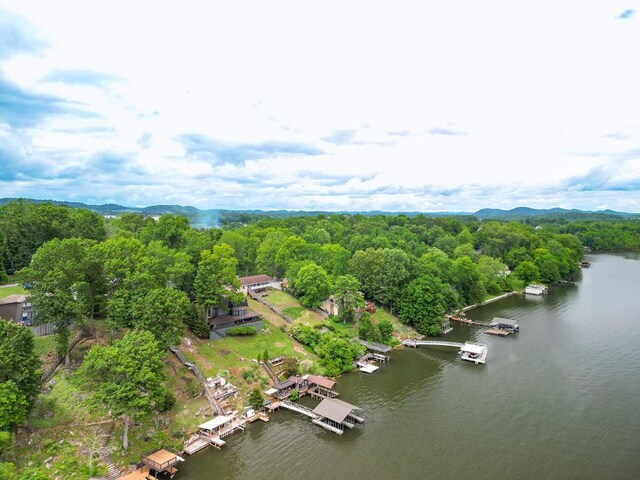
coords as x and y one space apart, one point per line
235 331
295 395
166 401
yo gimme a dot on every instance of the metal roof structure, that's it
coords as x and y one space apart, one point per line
215 423
505 321
334 409
473 348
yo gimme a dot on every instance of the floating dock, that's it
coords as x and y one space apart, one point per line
497 331
367 367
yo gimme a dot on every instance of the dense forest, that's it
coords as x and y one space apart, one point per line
152 277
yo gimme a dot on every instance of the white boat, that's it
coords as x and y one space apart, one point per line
535 289
474 352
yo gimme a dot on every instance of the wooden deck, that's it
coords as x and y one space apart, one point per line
497 331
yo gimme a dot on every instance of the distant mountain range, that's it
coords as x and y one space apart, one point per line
209 218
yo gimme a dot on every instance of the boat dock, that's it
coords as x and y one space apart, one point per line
468 351
499 332
468 321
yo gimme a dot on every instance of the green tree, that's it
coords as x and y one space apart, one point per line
348 297
58 272
467 281
396 273
215 276
385 327
367 330
162 311
423 305
267 252
256 400
127 377
168 229
290 365
312 285
368 267
336 354
13 406
527 272
18 360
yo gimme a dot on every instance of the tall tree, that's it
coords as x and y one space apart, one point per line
423 305
312 285
348 297
162 311
58 272
216 273
18 360
127 377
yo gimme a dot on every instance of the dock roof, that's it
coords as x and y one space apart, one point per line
334 409
505 321
473 348
215 423
321 381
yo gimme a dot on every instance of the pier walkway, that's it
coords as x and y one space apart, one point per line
431 343
294 407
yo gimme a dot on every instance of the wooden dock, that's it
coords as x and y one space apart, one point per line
497 331
468 321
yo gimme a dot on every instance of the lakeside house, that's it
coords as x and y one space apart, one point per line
259 283
330 306
223 317
16 308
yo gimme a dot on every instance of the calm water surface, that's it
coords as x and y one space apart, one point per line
560 399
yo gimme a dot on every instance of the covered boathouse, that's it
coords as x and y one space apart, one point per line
335 415
156 464
506 324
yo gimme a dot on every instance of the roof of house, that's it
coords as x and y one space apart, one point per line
334 409
215 423
12 299
321 381
255 279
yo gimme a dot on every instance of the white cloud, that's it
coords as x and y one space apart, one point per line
449 105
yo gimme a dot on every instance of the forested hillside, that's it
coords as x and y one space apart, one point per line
145 280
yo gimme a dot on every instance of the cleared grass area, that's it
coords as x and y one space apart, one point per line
6 291
45 346
284 301
234 353
398 326
294 312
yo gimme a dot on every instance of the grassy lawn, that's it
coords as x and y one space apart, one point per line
294 312
398 326
6 291
284 301
237 352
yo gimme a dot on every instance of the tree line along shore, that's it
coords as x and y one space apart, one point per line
123 290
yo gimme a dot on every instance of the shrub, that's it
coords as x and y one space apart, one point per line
166 401
235 331
295 395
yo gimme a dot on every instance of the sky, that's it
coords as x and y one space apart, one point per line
322 105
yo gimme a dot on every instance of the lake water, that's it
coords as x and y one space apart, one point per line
560 399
